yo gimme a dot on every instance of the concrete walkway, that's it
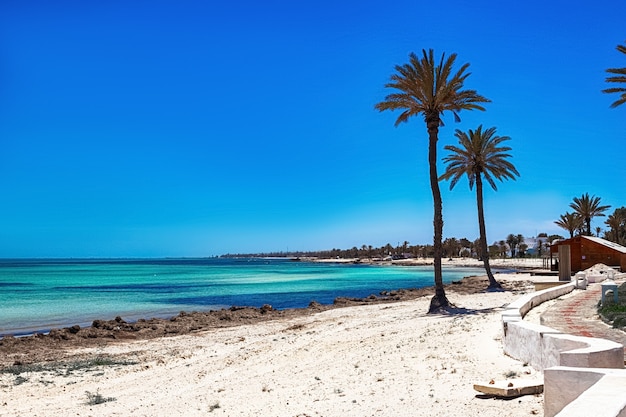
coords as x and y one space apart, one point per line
577 314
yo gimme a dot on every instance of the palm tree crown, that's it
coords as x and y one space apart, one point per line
619 78
480 155
570 222
588 207
424 86
427 88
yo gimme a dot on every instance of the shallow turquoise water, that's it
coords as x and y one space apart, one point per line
38 295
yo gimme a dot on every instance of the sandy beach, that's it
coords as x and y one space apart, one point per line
388 359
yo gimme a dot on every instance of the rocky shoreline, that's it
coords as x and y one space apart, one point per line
58 343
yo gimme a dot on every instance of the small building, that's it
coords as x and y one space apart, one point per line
586 251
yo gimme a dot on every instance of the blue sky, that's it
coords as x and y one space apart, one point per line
193 128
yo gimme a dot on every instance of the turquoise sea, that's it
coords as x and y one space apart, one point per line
38 295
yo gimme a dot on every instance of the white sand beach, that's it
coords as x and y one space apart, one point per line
372 360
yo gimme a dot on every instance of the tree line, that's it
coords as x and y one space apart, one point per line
584 209
513 246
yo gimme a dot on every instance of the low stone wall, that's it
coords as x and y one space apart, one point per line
584 392
557 353
543 347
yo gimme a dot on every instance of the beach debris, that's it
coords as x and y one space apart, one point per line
507 389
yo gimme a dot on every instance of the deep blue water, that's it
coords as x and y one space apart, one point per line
38 295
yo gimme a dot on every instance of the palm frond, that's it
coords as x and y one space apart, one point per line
620 78
430 87
479 154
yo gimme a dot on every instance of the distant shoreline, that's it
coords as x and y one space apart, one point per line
513 263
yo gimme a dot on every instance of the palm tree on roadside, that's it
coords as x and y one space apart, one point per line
619 78
480 156
570 222
588 207
429 88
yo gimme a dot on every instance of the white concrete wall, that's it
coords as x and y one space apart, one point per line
528 301
583 376
525 342
543 347
580 392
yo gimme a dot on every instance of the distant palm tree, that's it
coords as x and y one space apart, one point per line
587 208
502 248
429 88
616 222
570 222
619 78
512 241
480 155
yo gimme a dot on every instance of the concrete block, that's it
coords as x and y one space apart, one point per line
523 341
579 392
562 385
511 387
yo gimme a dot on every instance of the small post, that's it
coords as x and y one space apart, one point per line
565 264
609 286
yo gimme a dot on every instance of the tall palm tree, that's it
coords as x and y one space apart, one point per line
619 78
480 155
429 88
570 222
588 207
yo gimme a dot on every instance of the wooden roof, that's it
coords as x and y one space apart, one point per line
599 241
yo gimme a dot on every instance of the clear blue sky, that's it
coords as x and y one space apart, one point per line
196 128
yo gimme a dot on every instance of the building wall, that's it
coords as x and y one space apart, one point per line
586 253
592 253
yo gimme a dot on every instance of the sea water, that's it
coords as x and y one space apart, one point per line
38 295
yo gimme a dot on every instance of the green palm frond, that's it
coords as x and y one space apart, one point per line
570 222
619 78
429 87
587 207
480 153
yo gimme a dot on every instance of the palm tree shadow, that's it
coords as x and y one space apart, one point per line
495 289
453 310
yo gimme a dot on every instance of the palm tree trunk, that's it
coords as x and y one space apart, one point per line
483 233
439 300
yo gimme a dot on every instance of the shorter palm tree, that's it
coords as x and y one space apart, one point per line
588 207
512 241
618 78
480 155
570 222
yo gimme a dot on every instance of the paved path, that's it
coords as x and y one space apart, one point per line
577 314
